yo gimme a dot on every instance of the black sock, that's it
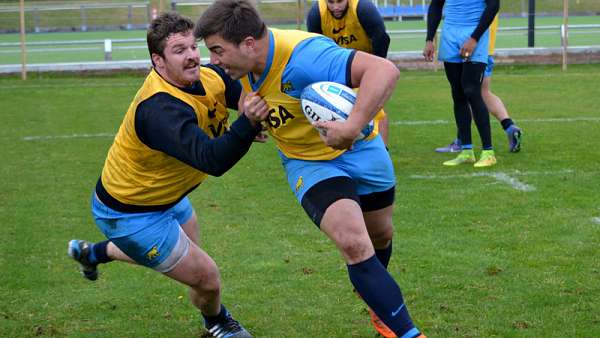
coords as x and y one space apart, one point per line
384 255
210 321
506 123
99 252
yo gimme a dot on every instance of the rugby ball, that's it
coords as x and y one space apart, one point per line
330 101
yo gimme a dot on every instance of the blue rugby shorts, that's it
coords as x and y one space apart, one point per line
452 40
368 164
153 239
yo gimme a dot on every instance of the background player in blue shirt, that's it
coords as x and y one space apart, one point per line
464 51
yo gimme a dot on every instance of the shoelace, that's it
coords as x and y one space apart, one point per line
229 326
232 325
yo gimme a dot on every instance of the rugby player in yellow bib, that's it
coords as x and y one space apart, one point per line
354 24
346 187
174 134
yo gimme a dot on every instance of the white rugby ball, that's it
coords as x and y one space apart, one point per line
330 101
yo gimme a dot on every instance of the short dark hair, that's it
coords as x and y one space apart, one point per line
233 20
164 25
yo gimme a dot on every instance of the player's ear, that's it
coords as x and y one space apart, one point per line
157 60
249 43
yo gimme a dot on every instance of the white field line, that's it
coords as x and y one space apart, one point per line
541 120
51 137
424 122
498 176
513 182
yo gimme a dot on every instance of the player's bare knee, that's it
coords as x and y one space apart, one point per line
356 250
206 279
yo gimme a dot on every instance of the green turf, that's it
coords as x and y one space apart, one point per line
475 257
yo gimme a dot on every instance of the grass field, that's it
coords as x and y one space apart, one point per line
507 252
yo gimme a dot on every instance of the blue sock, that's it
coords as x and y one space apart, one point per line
384 255
379 290
467 146
98 253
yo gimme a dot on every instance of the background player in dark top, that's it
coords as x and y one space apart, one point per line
174 134
354 24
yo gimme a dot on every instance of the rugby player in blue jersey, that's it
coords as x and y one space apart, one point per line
174 134
354 24
464 51
346 187
493 103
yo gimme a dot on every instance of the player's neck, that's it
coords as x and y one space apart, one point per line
262 54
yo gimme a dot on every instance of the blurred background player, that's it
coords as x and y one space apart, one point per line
174 134
493 103
347 188
464 51
354 24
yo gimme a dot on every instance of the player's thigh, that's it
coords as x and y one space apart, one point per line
343 223
489 68
192 228
380 225
369 165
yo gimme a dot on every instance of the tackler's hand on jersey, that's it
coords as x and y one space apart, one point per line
255 108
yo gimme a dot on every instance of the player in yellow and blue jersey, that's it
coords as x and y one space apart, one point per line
346 187
174 134
464 51
493 103
354 24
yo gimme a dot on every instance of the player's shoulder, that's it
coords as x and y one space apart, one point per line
315 43
213 71
366 7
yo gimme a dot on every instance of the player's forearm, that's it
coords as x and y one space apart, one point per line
168 125
434 17
216 156
488 15
381 43
376 79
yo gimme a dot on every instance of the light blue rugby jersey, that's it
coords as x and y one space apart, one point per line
463 12
313 60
